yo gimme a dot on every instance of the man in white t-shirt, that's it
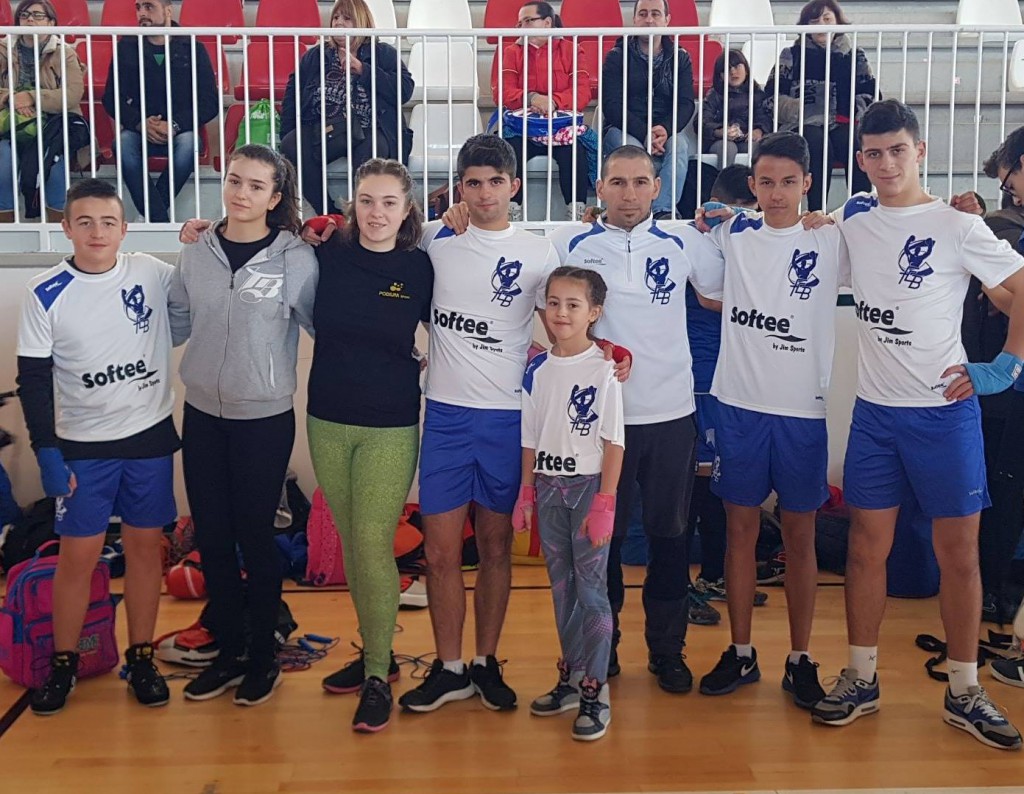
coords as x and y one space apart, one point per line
778 328
916 422
94 355
646 264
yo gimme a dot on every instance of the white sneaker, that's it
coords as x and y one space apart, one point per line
413 594
574 212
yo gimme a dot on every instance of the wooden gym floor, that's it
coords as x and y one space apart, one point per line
301 741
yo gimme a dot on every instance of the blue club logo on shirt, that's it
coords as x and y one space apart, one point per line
657 280
135 308
504 281
913 261
801 274
581 409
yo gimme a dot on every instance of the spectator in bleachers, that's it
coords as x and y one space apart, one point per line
349 93
829 107
547 78
658 69
60 82
740 135
169 124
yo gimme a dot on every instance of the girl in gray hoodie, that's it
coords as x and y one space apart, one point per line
249 283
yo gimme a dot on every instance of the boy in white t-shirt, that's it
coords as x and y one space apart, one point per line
94 355
916 422
778 328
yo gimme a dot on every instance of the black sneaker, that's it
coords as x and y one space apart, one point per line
374 710
439 687
258 685
613 662
715 591
731 672
493 691
801 681
144 680
53 694
350 678
215 680
672 672
772 570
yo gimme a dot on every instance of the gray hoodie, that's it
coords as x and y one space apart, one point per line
244 326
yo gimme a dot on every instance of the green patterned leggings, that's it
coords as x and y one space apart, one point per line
365 473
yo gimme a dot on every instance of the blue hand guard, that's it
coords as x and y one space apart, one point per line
996 376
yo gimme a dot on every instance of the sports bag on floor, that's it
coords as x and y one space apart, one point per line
26 622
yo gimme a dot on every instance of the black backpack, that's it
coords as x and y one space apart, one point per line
28 533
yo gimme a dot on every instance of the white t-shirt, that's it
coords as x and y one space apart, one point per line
485 293
911 268
572 407
646 270
110 339
778 315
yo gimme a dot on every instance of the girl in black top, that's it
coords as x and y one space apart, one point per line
364 404
732 88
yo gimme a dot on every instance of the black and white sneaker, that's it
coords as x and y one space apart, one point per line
439 687
595 711
731 672
215 680
258 685
374 711
801 681
144 679
673 674
53 694
1009 671
564 697
350 678
772 570
493 691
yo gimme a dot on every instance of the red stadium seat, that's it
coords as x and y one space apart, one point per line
594 14
257 55
501 14
212 14
684 15
6 15
72 12
289 14
119 14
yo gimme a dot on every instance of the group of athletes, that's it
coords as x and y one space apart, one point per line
566 441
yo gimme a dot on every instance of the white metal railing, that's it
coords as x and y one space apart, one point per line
902 58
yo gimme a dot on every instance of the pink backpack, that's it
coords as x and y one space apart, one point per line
26 622
325 565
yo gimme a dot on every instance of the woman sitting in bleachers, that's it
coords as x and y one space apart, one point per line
363 88
829 106
545 81
740 135
60 86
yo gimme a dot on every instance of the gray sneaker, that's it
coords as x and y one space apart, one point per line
564 697
850 698
980 717
595 711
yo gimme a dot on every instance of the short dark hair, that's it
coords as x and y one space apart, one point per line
628 152
888 115
48 7
480 151
787 145
732 185
1007 155
816 8
545 11
91 188
663 2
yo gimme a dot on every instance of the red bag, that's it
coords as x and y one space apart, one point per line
325 565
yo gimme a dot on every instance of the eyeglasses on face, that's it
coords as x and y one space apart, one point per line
528 20
36 16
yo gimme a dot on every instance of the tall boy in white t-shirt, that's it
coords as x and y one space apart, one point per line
772 378
916 423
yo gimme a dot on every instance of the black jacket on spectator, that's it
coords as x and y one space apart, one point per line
739 111
207 95
668 86
389 103
844 60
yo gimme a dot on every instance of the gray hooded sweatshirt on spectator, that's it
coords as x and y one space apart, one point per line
243 326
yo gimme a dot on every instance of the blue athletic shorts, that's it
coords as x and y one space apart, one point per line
707 420
938 452
139 491
469 455
757 453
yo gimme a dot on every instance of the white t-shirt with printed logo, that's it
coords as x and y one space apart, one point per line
110 339
572 407
778 315
646 270
911 267
486 287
